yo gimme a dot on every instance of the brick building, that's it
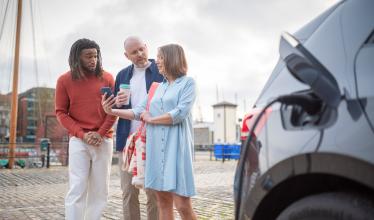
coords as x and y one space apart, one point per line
4 117
33 105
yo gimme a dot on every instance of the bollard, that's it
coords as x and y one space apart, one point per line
67 156
48 152
223 153
210 152
42 158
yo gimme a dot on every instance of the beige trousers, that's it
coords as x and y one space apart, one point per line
130 197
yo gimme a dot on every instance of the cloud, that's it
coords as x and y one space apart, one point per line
232 45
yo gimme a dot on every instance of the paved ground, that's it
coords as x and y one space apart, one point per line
39 193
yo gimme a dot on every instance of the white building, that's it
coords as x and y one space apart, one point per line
203 134
225 126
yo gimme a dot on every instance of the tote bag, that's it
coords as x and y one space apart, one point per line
134 155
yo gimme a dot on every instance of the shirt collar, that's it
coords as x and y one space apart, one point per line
177 80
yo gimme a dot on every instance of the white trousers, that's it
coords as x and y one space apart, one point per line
89 172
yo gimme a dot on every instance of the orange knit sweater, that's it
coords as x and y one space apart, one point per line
78 105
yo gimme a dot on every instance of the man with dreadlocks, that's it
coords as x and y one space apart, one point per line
79 110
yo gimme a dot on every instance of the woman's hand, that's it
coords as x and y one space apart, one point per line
108 103
146 117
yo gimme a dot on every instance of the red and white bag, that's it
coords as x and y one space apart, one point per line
134 152
137 164
128 152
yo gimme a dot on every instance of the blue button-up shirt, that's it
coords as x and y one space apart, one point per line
169 148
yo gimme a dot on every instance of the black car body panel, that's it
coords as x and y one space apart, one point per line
282 165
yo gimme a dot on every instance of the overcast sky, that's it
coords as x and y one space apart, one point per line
231 45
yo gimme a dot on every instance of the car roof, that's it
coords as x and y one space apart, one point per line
307 30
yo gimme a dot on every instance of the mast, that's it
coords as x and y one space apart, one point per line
14 106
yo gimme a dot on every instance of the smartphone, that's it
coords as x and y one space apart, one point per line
107 91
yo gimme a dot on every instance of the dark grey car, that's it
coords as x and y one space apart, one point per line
314 156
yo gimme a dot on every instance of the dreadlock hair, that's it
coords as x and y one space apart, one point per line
74 58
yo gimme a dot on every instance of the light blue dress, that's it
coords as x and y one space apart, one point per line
169 148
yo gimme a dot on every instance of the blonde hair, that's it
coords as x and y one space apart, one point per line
175 63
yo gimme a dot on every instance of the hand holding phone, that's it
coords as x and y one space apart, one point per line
107 91
105 101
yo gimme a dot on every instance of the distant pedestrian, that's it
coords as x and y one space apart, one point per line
169 132
79 110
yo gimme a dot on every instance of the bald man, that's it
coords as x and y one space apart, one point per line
140 75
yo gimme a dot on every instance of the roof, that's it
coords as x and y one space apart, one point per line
4 97
41 90
224 103
203 125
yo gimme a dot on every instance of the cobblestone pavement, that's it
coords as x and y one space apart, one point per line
39 193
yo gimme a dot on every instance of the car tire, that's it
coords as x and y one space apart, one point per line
330 206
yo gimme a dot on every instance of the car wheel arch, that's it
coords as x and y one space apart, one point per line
308 174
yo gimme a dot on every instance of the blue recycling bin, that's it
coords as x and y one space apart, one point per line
226 151
235 152
221 151
218 151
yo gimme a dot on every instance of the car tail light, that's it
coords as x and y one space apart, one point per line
245 130
250 118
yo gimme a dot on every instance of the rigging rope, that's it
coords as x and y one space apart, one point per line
38 90
2 27
4 18
40 21
12 47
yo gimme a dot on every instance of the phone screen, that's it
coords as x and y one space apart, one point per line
107 91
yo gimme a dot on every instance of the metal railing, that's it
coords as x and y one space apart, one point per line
28 155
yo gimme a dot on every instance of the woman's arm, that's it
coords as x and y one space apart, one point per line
164 119
180 112
185 102
124 113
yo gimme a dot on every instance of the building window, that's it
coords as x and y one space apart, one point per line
32 123
30 104
30 132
